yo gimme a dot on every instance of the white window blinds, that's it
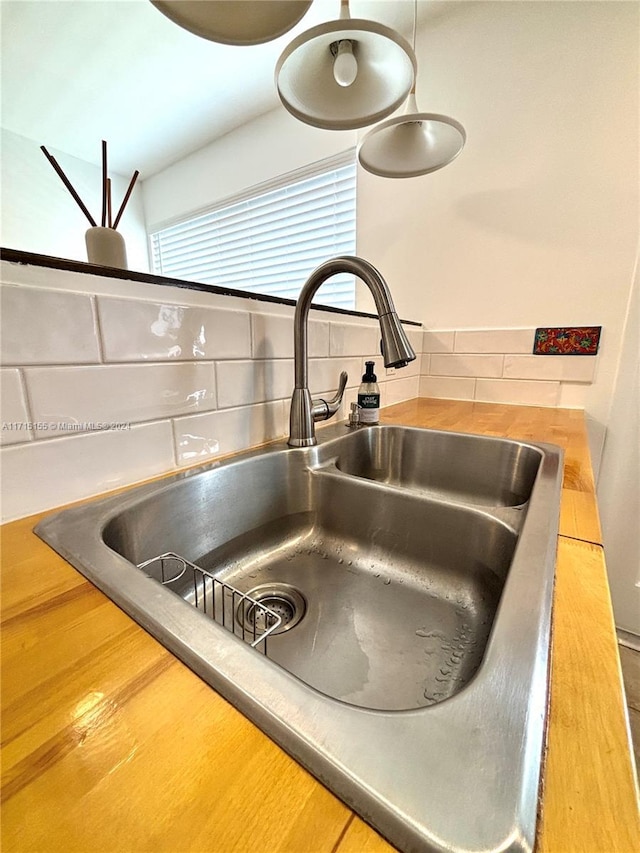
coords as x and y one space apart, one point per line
270 238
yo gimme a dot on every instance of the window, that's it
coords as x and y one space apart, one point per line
271 237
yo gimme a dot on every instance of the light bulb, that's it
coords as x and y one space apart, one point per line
345 66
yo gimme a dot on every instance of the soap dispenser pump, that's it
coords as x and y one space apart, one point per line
369 396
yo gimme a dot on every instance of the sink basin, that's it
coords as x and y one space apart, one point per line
463 468
402 607
379 604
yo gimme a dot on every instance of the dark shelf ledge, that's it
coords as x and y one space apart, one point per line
32 259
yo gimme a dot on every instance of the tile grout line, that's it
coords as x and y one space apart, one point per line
28 405
95 308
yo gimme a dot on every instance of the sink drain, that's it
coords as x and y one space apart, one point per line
281 598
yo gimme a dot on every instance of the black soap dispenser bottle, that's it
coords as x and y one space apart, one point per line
369 396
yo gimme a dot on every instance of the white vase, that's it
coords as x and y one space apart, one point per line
106 247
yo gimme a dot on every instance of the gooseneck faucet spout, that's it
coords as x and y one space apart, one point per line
396 349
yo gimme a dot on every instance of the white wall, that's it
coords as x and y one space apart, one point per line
618 493
536 222
39 214
271 145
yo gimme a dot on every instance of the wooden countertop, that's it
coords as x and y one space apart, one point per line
109 743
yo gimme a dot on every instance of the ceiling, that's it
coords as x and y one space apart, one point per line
78 71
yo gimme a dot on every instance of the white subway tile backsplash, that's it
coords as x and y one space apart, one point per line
414 368
324 374
438 341
494 340
351 339
215 378
526 393
562 368
133 330
319 338
447 387
47 327
202 437
272 336
241 383
573 396
466 365
13 409
415 335
77 466
120 393
500 364
396 390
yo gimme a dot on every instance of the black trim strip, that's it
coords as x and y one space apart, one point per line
30 258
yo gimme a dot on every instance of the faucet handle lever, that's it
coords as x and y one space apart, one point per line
324 409
342 384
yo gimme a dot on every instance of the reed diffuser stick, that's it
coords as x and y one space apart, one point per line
104 183
109 221
126 198
65 180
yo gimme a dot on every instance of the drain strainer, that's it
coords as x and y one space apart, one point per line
281 598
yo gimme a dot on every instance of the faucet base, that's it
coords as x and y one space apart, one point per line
301 421
302 442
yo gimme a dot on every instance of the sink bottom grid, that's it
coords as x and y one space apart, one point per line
238 612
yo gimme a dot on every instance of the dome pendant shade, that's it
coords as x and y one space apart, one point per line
306 76
239 22
412 144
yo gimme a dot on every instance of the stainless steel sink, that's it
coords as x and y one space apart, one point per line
379 604
494 473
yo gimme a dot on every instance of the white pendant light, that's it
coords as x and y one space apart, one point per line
239 22
345 74
412 144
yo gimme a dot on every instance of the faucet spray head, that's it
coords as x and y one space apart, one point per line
394 346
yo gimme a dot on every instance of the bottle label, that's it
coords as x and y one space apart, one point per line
369 401
369 408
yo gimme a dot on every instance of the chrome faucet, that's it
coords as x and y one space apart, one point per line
395 346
